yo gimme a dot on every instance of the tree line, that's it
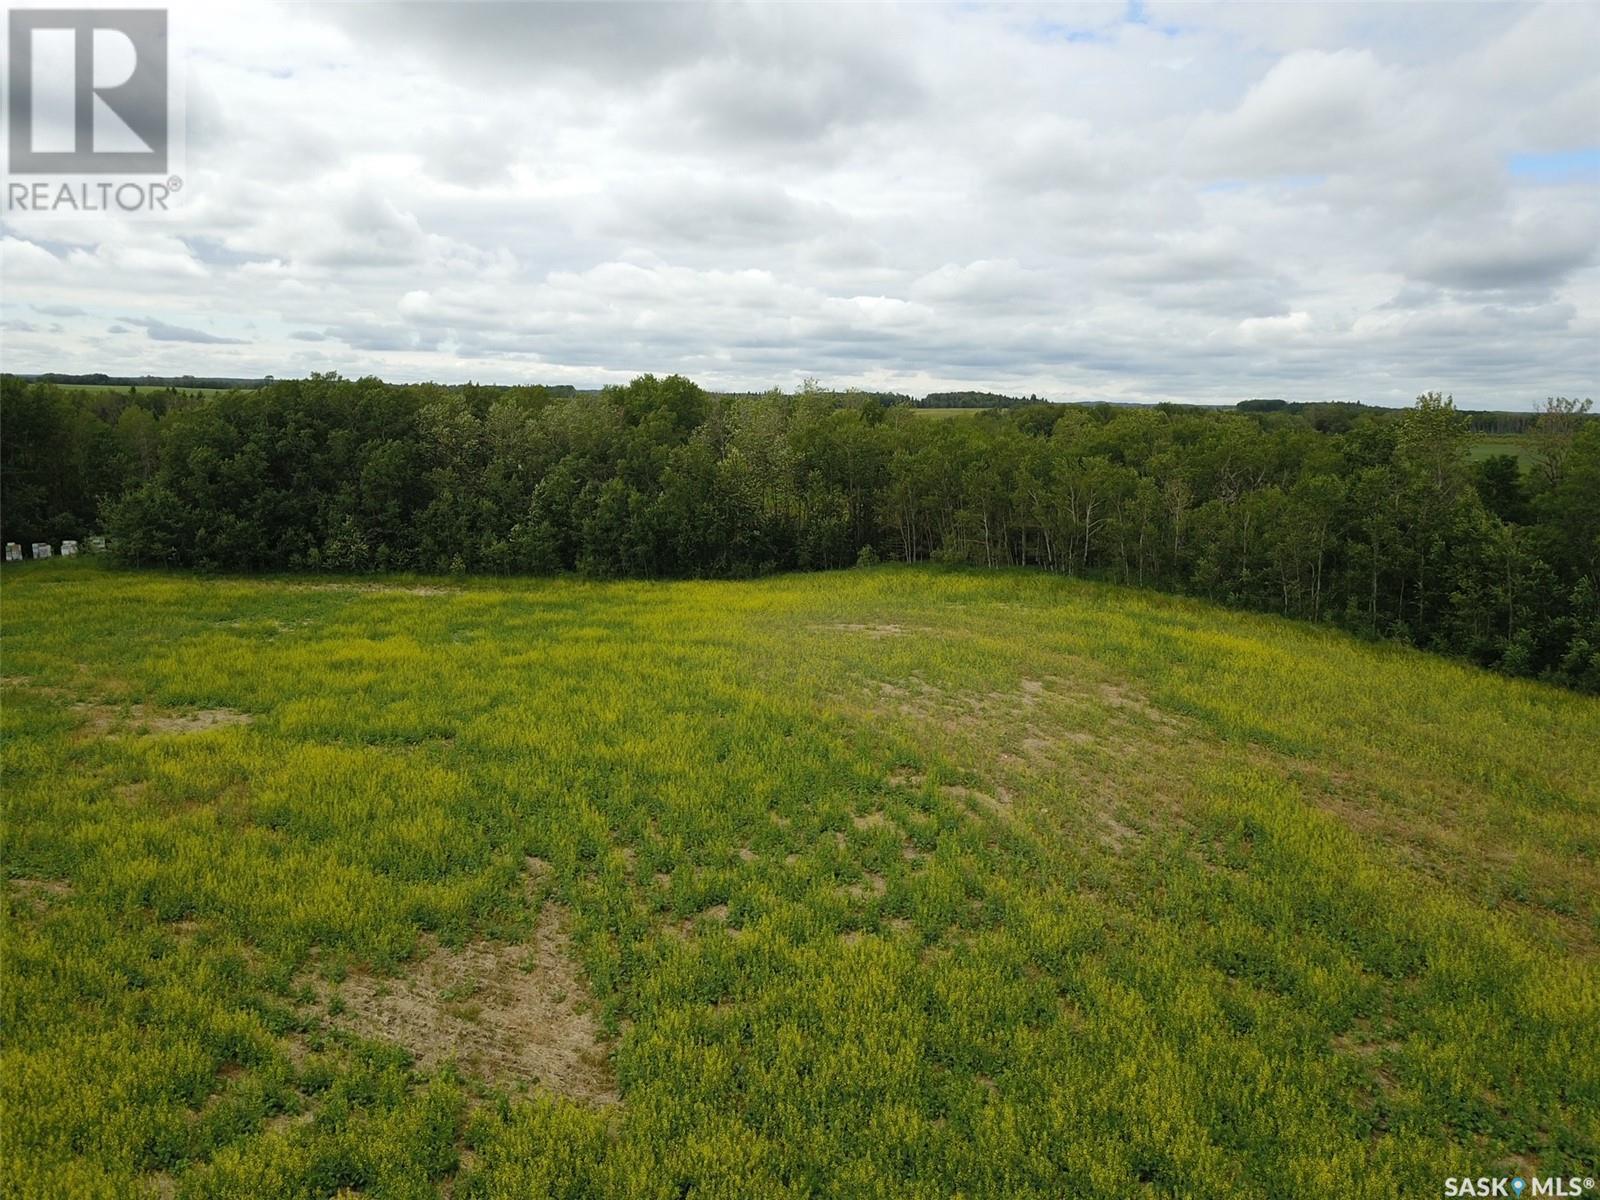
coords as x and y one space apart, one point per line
1378 522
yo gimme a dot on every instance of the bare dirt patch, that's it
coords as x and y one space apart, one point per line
49 887
109 719
41 893
871 631
1126 699
197 722
1115 834
506 1013
873 884
999 802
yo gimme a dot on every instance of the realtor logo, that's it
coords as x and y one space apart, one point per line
88 91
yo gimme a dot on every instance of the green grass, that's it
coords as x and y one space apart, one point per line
891 882
122 387
1519 445
944 414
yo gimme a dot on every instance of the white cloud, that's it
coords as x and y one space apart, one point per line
1216 201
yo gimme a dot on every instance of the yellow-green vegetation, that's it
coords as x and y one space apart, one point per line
890 882
117 388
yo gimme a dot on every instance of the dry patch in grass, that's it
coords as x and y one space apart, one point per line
873 884
1116 835
392 589
1096 743
41 893
506 1013
871 631
1373 1052
48 887
108 719
1054 699
974 798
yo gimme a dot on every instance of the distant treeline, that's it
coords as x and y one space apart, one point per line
1377 521
1340 415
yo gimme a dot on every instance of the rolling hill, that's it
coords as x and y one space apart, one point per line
895 881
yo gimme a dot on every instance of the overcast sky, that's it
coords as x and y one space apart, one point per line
1129 202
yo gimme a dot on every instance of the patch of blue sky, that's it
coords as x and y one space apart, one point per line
1559 166
1067 31
1061 31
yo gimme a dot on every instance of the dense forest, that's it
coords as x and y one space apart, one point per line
1376 521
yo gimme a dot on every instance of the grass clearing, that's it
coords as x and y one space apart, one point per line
152 388
1519 446
901 881
945 414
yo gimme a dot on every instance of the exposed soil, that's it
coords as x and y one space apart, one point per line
508 1014
873 884
108 719
42 893
871 631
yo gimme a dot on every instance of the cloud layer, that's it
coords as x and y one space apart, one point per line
1152 202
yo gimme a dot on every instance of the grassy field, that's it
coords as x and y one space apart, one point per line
1519 445
892 882
122 387
945 414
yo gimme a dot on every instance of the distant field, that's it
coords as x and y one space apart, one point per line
943 413
122 387
880 883
1519 446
